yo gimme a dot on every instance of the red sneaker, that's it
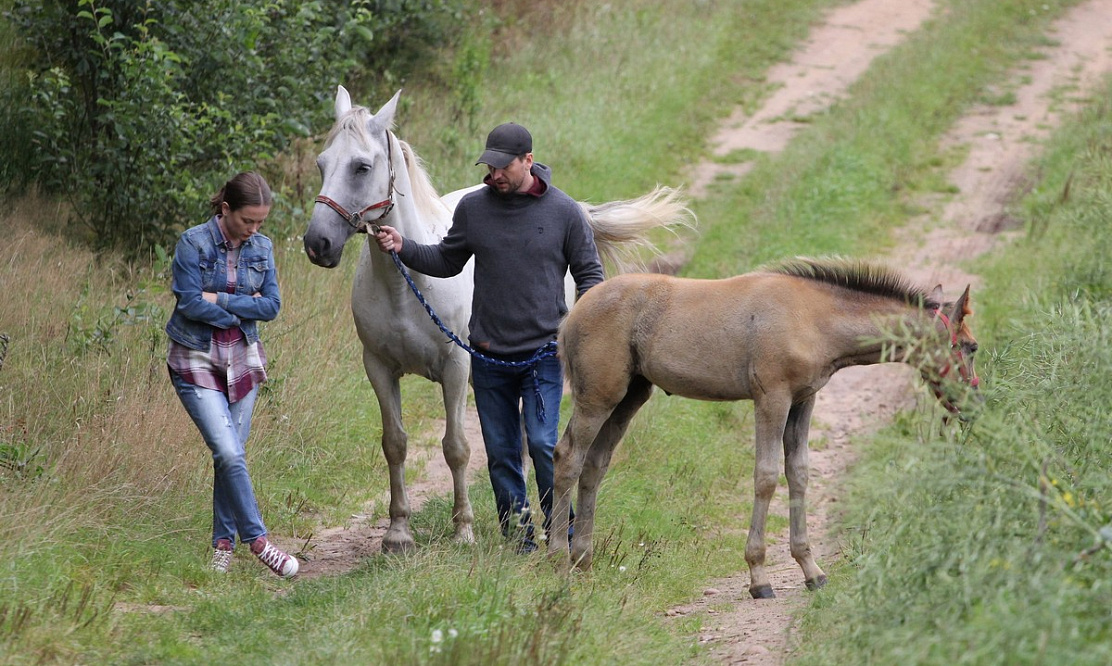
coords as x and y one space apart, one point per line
269 554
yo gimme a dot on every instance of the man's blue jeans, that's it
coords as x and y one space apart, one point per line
225 428
506 400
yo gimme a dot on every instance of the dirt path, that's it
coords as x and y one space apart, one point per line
337 550
1001 140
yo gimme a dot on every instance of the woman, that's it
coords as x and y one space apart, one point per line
225 281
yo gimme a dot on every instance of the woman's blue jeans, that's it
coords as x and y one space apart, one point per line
225 428
506 400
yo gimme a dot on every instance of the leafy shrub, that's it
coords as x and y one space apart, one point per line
136 112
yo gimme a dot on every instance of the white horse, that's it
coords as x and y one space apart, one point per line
369 175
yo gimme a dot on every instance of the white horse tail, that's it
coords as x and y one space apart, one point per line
622 228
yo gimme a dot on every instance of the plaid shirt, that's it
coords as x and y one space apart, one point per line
230 365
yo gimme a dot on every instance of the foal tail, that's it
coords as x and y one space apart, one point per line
621 228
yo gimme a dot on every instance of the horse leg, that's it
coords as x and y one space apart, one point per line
771 415
595 465
398 537
797 472
457 452
568 459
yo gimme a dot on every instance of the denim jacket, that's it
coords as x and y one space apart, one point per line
200 265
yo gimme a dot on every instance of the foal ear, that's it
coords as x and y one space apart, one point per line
936 294
384 119
962 307
343 101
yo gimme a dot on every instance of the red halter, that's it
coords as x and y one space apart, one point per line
970 375
356 219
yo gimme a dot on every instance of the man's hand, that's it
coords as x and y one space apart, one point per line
388 238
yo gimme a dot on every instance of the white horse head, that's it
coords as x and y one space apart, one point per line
363 171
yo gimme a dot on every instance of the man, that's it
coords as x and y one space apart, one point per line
525 235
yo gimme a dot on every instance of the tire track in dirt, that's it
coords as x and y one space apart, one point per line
1000 141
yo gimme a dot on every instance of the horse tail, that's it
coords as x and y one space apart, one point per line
622 228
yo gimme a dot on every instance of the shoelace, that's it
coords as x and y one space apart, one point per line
273 558
221 560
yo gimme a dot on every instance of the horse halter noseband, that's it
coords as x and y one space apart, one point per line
386 205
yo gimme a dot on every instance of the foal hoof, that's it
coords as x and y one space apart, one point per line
762 592
816 583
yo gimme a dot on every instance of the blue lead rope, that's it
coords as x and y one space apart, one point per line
549 349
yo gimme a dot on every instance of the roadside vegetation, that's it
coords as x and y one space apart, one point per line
104 484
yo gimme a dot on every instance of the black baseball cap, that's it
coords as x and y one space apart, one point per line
504 143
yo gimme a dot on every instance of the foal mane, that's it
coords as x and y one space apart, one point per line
858 276
424 194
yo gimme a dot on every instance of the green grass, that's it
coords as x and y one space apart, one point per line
104 485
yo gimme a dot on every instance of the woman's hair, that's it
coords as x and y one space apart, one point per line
244 189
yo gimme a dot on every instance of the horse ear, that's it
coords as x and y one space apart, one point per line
936 294
962 308
343 101
384 119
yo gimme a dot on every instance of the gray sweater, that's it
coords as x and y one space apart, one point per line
523 246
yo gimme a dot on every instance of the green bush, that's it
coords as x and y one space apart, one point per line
135 112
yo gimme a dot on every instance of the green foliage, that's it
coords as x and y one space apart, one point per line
136 112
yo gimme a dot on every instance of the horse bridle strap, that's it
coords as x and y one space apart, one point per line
974 380
356 219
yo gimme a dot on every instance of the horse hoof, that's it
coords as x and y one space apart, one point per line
762 592
398 546
816 583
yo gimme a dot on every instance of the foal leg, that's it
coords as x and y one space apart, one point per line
595 466
457 452
568 460
796 470
771 414
398 537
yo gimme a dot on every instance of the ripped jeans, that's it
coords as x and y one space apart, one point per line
225 428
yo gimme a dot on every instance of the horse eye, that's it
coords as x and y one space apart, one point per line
363 168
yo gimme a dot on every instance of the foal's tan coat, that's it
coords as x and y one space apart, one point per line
773 337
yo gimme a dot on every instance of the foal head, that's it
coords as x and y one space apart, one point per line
950 372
